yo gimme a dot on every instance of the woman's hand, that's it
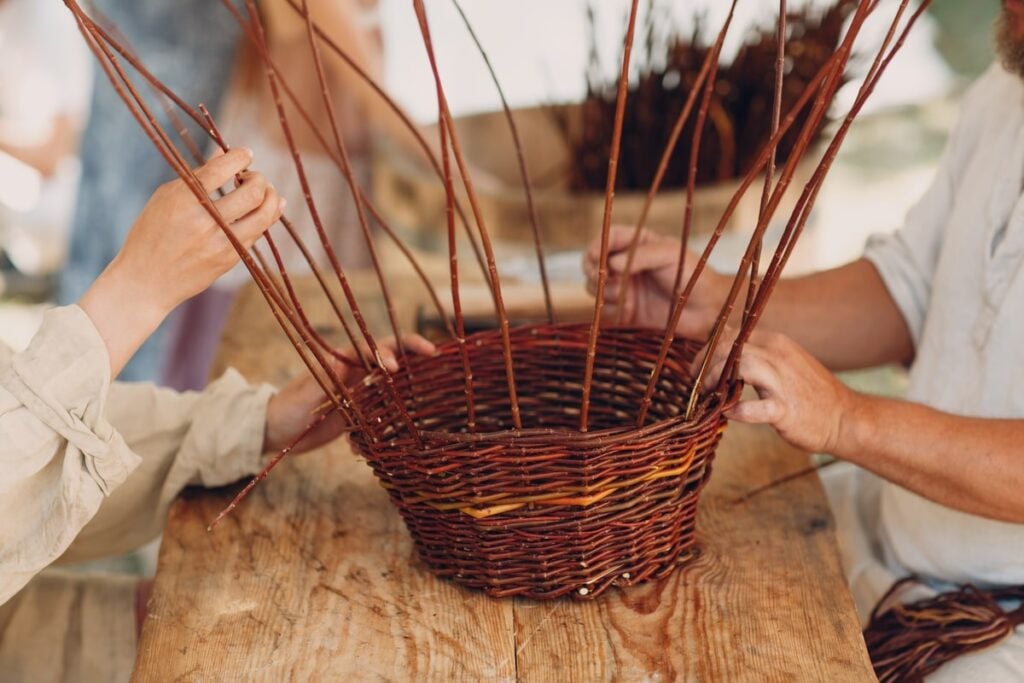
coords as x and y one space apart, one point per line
649 297
292 409
803 401
175 250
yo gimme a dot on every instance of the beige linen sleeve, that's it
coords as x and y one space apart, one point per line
92 466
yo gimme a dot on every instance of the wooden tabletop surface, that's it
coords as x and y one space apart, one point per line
314 577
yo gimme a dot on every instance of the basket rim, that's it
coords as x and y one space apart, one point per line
709 408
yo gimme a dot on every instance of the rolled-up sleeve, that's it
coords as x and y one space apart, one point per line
907 259
210 438
59 456
89 468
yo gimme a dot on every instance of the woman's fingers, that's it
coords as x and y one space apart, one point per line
244 199
216 172
251 227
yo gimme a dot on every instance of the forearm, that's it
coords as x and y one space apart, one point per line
124 316
972 465
845 317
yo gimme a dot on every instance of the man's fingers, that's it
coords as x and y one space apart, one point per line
756 369
244 199
387 357
722 350
619 238
250 228
764 411
647 257
419 345
220 169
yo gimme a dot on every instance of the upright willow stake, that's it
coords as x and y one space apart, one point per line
202 122
400 113
695 147
282 116
826 81
609 199
350 178
214 132
335 157
801 212
769 174
485 238
521 160
453 265
801 215
710 62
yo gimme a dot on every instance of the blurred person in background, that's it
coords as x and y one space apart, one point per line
44 91
190 45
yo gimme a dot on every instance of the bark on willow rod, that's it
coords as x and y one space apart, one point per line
606 225
485 238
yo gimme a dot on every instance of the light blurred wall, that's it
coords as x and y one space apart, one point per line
539 47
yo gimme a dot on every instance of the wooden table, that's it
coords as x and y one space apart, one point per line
314 577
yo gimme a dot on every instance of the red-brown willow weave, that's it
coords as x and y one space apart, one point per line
542 461
908 642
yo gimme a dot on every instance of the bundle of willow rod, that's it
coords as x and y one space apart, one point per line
668 68
908 642
546 460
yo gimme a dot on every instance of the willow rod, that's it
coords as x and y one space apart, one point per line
453 265
816 118
521 160
215 133
282 116
403 117
820 84
350 178
185 107
800 218
485 238
710 62
144 117
609 199
695 148
769 174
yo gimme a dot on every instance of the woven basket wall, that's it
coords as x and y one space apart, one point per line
548 511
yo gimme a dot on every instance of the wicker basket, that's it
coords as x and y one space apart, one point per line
547 511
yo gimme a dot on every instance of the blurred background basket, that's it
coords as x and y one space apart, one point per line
548 511
411 197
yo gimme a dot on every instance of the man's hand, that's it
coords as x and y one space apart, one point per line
649 297
797 396
292 409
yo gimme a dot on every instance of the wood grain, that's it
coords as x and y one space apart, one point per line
763 601
315 578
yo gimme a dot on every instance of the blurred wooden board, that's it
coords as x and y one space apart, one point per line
316 578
